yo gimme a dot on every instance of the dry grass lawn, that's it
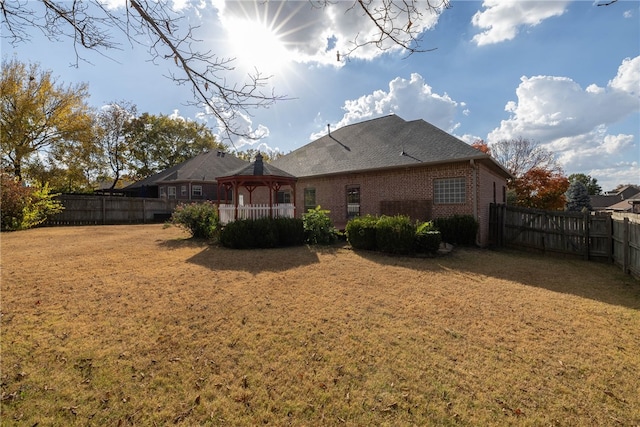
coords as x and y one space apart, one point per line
139 325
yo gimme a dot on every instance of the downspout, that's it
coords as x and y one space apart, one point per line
474 191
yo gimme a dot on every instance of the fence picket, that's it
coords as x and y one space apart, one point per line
596 236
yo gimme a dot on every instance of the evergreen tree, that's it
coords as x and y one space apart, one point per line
578 197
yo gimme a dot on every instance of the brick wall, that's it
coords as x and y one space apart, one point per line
408 184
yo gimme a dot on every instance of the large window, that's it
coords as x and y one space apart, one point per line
449 190
309 199
353 201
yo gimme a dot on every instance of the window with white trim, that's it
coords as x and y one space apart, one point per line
449 190
353 201
172 192
196 190
183 190
163 192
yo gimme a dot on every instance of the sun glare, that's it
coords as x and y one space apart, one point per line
256 46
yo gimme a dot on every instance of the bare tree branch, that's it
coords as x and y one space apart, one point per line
91 24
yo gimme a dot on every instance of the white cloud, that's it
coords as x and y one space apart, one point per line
502 19
573 122
628 14
410 99
314 33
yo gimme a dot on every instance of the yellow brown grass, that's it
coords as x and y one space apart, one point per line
139 325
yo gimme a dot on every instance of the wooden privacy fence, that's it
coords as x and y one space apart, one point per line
593 236
94 210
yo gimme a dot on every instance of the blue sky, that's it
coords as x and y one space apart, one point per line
563 73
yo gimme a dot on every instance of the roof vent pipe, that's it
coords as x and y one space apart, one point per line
329 129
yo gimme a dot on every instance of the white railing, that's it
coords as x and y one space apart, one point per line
255 211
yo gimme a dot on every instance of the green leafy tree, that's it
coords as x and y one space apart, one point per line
590 183
577 197
38 116
159 142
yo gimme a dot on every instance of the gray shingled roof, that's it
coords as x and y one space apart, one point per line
259 168
381 143
206 166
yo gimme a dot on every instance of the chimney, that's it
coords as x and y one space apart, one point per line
329 129
258 167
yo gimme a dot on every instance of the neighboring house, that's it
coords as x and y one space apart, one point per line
194 179
624 199
391 166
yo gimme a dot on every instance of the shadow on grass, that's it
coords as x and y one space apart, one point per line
587 279
254 261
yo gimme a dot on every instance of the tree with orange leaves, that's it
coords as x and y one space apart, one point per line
541 188
479 144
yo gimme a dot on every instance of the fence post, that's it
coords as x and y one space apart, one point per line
104 210
610 238
587 246
625 246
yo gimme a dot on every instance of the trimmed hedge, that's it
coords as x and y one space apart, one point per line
361 232
458 229
262 233
395 234
427 238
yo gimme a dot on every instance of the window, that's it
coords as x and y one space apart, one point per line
449 190
196 190
183 190
309 199
353 201
284 196
172 192
163 192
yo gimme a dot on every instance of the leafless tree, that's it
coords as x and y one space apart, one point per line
520 155
92 25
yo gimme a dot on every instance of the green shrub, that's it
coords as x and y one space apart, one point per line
290 231
361 232
427 239
395 234
238 235
318 228
198 218
25 207
458 229
265 233
262 233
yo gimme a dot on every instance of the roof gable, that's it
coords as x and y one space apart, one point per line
381 143
206 166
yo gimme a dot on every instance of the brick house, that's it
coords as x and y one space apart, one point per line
381 166
391 166
191 180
